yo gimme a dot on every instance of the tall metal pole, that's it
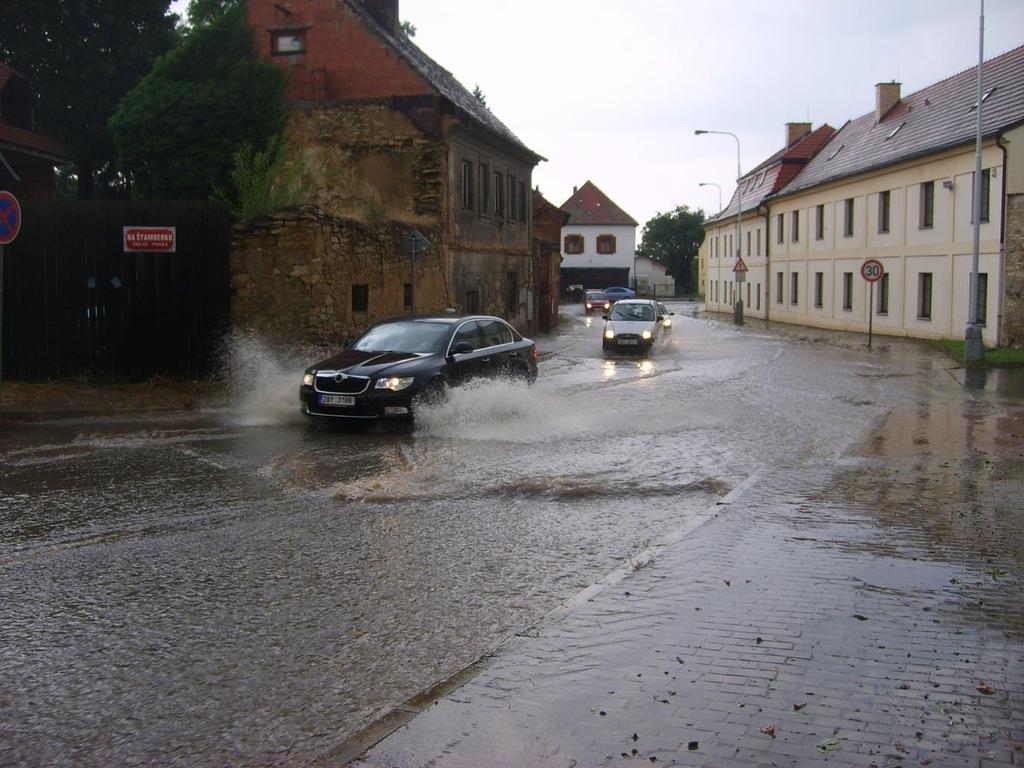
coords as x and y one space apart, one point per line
973 348
412 282
713 184
738 309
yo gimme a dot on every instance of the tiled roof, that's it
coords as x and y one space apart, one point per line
441 79
775 172
29 142
937 117
589 205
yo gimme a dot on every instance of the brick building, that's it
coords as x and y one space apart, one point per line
386 141
27 158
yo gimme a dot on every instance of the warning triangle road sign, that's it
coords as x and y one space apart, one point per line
740 266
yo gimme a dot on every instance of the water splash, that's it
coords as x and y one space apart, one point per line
264 380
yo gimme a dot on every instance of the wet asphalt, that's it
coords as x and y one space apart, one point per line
230 586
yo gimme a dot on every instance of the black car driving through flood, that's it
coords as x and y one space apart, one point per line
401 362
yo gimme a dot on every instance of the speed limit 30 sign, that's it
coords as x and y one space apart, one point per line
872 270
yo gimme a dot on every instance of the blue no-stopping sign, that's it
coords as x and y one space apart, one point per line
10 217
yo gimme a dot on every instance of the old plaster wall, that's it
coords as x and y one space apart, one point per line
1013 300
293 276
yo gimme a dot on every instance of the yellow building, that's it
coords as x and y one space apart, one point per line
895 185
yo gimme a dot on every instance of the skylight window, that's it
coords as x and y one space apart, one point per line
895 130
838 150
984 97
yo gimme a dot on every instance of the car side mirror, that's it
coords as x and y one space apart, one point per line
660 318
462 348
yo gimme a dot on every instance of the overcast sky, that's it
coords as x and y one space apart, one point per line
612 90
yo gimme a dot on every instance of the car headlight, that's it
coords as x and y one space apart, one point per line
589 305
394 383
646 334
609 333
668 323
308 379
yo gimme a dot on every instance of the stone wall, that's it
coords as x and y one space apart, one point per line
368 162
1013 275
292 276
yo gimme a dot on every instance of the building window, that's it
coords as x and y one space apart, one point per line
360 298
748 244
467 185
606 243
796 227
288 42
485 188
986 191
758 294
758 238
819 223
927 214
499 195
407 295
778 287
883 295
848 217
924 296
472 302
982 297
512 294
748 294
513 213
794 288
522 202
848 291
819 289
780 227
574 244
884 203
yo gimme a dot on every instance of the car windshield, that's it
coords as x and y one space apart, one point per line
405 336
596 295
635 312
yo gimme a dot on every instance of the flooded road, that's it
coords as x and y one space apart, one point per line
237 587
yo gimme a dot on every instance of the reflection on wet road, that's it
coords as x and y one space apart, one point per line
240 588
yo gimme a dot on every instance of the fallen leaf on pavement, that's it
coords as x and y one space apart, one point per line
828 745
768 730
988 690
798 707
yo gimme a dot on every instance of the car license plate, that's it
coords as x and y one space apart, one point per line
337 400
628 341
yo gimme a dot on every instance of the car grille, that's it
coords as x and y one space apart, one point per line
627 336
326 381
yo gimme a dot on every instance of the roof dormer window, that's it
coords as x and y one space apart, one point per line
836 152
288 42
984 98
894 131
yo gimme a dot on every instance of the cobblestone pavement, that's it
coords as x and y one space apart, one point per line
865 613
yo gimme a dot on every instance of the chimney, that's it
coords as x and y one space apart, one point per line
795 132
386 12
887 95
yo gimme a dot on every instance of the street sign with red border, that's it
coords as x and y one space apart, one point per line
160 239
10 217
741 266
872 270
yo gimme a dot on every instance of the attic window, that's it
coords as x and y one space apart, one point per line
837 151
288 42
984 98
895 130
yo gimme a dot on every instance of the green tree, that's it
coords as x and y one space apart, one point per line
202 13
82 57
672 239
178 131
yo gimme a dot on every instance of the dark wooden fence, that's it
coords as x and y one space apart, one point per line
75 304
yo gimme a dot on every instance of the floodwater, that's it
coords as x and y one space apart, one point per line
238 587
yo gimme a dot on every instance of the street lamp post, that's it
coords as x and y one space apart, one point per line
740 276
974 350
713 184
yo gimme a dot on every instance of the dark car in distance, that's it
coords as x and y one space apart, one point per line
401 362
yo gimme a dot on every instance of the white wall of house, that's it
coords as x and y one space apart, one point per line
625 247
908 250
718 257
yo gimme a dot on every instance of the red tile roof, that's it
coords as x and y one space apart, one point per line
777 171
589 205
936 118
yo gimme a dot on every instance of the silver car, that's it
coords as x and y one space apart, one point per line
632 325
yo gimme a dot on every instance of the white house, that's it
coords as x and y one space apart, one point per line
653 279
598 240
